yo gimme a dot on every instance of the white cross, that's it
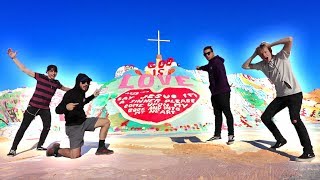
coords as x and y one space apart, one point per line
158 41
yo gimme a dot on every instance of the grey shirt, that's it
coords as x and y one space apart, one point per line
279 71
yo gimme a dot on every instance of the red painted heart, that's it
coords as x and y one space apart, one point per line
147 107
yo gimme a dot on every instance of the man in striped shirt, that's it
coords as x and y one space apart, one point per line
39 103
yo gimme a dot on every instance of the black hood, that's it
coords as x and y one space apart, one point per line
218 58
81 77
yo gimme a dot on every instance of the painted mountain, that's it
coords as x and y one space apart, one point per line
163 99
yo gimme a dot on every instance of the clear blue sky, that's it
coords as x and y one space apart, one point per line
97 37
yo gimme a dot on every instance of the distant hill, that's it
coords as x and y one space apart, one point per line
313 95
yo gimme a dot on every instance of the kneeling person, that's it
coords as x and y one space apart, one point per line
76 121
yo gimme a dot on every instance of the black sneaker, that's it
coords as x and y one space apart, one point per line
12 153
279 144
103 150
306 157
214 138
41 148
51 151
230 139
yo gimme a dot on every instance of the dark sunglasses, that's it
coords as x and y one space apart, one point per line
83 82
207 53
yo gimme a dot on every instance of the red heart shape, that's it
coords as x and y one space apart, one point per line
148 107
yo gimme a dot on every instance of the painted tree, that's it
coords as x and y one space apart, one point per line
303 112
313 113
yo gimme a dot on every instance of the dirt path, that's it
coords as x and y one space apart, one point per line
164 157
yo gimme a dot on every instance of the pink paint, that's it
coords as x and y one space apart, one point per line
147 81
142 78
166 81
181 79
124 82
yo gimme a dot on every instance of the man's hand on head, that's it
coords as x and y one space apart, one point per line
265 44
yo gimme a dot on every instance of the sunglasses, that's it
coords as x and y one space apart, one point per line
83 82
207 53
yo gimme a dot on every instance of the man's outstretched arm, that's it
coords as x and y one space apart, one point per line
13 55
63 88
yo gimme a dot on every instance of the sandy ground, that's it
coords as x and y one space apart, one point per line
167 156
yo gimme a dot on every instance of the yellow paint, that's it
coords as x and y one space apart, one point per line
246 81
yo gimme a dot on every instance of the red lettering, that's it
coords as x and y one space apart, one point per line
160 71
169 61
161 64
151 65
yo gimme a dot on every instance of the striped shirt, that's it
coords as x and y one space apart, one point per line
44 92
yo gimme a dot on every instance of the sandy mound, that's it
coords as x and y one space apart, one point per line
313 95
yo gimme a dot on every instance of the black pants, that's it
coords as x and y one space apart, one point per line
293 102
221 103
28 116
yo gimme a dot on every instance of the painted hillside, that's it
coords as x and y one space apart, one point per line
193 112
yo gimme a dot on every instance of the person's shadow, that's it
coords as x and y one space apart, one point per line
85 148
260 144
192 139
33 147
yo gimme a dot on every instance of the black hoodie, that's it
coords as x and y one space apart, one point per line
75 95
217 75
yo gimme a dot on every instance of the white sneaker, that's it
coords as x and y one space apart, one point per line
12 153
230 139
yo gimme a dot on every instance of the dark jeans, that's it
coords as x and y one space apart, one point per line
293 102
221 103
28 116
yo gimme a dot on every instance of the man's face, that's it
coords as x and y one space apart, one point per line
265 54
84 85
52 74
208 54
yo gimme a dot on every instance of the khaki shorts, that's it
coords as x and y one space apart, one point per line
76 132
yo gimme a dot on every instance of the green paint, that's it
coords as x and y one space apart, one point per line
138 125
252 98
2 124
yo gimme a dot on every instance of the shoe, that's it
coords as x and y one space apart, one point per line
306 157
41 148
12 153
214 138
279 144
230 139
51 151
103 150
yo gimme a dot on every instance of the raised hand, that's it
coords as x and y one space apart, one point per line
12 54
265 44
97 92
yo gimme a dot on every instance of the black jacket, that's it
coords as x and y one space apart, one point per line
217 75
75 95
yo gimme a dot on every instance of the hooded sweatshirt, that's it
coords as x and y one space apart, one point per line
217 76
75 95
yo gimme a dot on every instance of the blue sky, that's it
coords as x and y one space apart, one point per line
97 37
